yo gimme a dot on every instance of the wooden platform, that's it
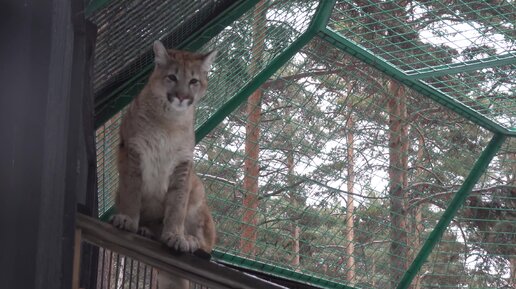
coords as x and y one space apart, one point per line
195 268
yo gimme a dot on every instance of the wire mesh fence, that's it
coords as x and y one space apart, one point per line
489 91
245 49
416 35
123 44
466 48
483 235
325 207
107 141
334 174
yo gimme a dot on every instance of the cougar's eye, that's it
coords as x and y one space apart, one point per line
194 81
172 77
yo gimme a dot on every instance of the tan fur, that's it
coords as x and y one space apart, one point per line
159 193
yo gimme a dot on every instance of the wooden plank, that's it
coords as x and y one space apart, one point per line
76 259
35 99
189 266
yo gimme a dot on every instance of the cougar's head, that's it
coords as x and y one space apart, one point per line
180 78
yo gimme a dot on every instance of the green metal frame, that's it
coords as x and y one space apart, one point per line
363 54
223 257
476 172
435 71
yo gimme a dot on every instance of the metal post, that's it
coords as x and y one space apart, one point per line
478 169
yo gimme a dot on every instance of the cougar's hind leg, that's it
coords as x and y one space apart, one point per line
200 222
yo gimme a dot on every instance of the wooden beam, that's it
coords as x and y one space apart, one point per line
37 114
189 266
76 259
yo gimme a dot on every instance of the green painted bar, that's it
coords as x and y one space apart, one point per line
322 15
281 272
385 67
320 19
478 169
127 91
95 5
499 60
105 112
107 214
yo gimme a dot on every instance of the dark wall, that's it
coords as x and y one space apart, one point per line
42 141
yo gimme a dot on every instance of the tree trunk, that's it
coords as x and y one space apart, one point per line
512 182
416 244
296 233
252 148
250 201
398 158
296 230
417 223
350 207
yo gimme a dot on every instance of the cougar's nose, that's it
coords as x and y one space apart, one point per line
181 96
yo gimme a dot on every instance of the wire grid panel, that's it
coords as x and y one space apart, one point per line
415 35
117 271
107 142
127 29
489 91
306 203
482 237
426 39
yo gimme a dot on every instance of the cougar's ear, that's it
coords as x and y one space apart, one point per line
208 59
160 53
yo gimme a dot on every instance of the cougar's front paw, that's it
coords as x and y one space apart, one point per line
146 232
180 242
124 222
194 243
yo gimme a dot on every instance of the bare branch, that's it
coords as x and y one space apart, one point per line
281 190
217 178
279 83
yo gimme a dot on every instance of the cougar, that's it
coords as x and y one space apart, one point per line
159 194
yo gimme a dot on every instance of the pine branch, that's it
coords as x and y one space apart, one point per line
447 191
281 190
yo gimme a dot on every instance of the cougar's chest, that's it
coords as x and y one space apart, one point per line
161 153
